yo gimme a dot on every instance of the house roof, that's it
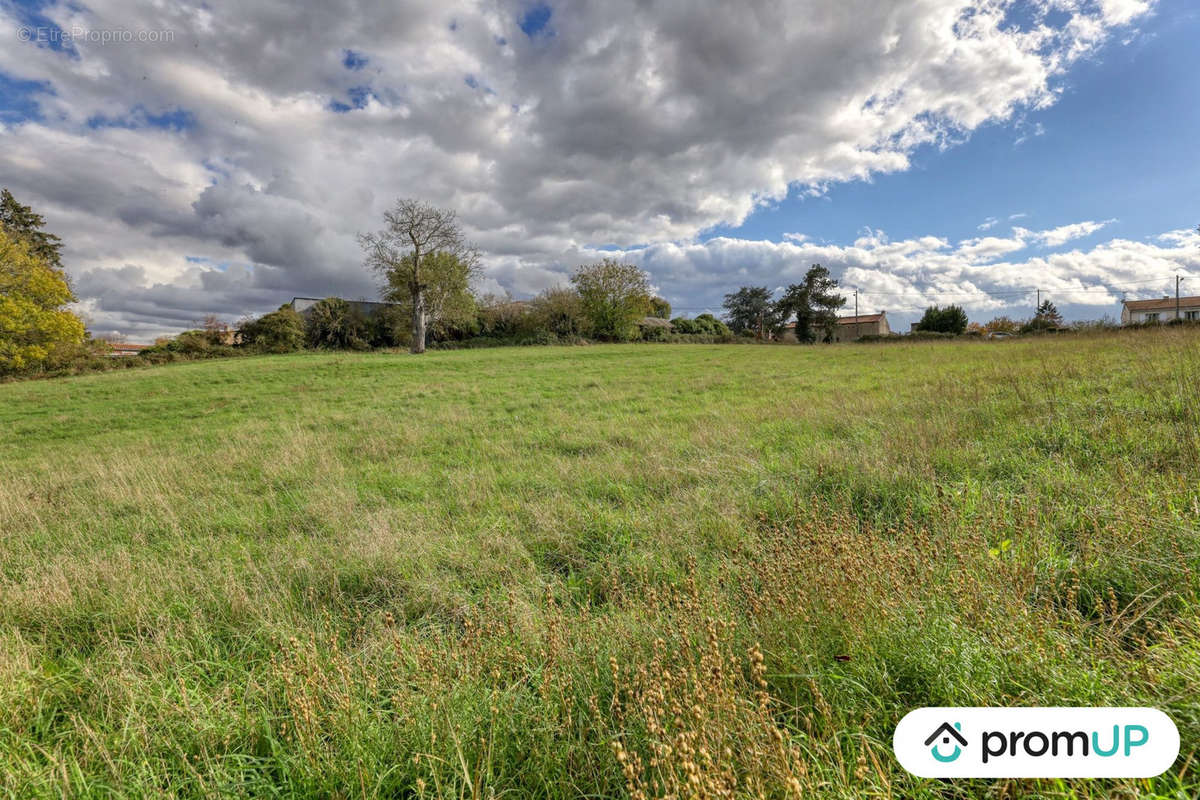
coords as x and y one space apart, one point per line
1161 304
860 319
127 346
655 322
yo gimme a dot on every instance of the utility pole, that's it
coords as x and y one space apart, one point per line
1177 281
1039 303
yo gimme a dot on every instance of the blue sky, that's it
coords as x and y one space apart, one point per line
1122 142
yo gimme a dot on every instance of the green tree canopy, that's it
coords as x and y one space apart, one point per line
951 319
406 253
814 303
660 308
1047 317
614 297
23 223
446 278
34 326
750 310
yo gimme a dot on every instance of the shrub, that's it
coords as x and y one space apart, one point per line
189 344
217 331
712 326
614 296
951 319
685 325
559 310
503 317
280 331
1002 325
703 325
195 342
703 338
333 323
655 333
390 326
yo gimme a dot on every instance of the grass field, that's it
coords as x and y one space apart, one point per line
646 571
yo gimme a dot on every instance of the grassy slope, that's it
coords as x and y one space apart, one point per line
596 571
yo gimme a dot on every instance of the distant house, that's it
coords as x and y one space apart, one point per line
368 308
120 349
1140 312
848 328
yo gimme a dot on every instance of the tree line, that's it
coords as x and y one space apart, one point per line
605 301
427 272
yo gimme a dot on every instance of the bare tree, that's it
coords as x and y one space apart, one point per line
413 232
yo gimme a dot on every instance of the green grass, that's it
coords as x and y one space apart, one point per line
599 571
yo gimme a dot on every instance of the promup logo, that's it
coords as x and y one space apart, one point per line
1036 742
947 732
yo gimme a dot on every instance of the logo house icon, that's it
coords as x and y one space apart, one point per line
946 732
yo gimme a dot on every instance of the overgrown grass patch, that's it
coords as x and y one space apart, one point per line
687 570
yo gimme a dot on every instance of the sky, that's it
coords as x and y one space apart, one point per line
221 158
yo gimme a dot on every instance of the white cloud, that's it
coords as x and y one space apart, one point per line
987 224
634 123
1026 132
1056 237
989 248
903 277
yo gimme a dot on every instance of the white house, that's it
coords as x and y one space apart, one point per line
1139 312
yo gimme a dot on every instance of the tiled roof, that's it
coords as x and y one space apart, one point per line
1161 304
860 319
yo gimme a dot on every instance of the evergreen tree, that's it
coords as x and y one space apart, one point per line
951 319
750 310
23 223
814 303
1047 316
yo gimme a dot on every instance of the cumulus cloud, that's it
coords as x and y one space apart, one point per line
231 166
903 277
1056 237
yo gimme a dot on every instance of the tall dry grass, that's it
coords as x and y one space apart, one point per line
619 571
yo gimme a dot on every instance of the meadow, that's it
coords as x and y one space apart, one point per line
606 571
